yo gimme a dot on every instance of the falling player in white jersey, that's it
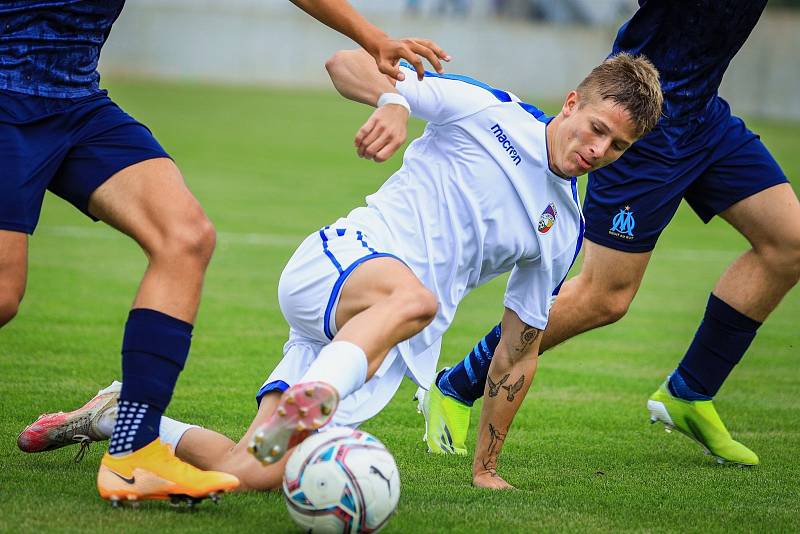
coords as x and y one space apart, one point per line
489 188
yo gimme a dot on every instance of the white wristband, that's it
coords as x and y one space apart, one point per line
393 98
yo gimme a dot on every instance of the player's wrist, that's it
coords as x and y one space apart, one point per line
393 98
371 38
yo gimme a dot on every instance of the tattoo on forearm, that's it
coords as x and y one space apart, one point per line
514 388
494 387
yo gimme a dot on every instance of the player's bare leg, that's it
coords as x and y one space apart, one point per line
758 280
200 447
13 272
599 295
382 303
150 202
210 450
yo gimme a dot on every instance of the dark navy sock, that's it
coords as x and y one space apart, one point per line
719 344
154 351
465 381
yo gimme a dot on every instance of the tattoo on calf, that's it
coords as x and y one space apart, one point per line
514 388
494 387
526 338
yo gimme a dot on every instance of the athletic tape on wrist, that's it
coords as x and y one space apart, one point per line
393 98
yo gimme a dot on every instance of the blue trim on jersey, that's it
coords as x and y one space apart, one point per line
275 385
501 95
328 252
537 113
579 244
340 282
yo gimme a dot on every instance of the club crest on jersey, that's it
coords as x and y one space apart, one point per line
548 218
623 223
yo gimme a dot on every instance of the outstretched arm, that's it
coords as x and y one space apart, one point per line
342 17
510 376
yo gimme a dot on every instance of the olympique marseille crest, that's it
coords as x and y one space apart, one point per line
622 224
548 218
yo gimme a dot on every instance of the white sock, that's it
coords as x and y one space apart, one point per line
342 365
107 421
171 431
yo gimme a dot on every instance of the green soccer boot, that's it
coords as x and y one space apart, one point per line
699 421
446 421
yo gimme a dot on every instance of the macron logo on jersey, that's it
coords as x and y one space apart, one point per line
506 144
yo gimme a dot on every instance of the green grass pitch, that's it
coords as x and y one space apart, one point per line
271 166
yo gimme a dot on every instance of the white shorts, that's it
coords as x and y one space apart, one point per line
308 293
311 283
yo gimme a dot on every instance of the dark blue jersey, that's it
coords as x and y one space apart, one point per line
691 43
51 47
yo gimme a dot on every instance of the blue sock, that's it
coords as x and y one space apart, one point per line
678 387
719 344
466 380
154 351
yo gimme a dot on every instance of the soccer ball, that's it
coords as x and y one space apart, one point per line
341 480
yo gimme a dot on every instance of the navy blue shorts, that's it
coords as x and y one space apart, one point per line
629 203
69 147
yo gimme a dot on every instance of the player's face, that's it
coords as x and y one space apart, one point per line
591 135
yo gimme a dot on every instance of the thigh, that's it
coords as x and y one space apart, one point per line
740 167
371 282
768 218
611 270
148 201
311 286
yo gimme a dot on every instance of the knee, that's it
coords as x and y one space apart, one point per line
783 258
193 240
9 306
613 305
417 305
608 301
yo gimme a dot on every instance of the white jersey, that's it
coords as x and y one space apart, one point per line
475 198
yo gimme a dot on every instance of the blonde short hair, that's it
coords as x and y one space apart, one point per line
628 81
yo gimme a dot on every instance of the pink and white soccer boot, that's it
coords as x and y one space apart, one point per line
302 409
91 422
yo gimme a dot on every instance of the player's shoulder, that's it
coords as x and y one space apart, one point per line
464 82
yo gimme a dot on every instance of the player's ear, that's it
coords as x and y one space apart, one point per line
571 103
